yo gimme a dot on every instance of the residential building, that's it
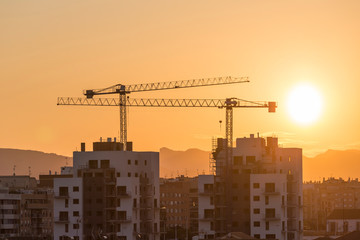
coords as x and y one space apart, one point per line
258 191
113 194
36 219
25 210
322 198
10 215
178 196
343 221
206 209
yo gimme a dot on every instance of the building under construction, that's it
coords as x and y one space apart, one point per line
258 191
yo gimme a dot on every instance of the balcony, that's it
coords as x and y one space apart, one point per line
9 226
206 217
9 206
124 219
207 192
269 192
61 195
110 181
124 194
61 220
272 217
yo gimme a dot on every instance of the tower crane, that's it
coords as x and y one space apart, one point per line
124 90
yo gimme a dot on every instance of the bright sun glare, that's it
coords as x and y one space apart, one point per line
304 104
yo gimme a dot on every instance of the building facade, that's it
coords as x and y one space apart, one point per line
113 194
258 189
179 198
322 198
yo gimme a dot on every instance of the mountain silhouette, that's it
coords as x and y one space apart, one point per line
39 162
191 162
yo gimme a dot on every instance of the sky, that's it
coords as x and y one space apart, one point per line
51 49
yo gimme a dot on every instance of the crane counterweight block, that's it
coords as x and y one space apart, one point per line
272 107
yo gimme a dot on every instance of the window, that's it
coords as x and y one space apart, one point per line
129 162
256 210
63 191
66 227
267 226
250 160
136 174
270 212
99 213
93 164
257 236
129 174
145 162
256 185
256 224
75 201
118 174
105 163
136 162
270 236
75 213
266 200
75 226
256 198
269 187
75 188
238 160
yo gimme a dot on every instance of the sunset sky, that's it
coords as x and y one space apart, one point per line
50 49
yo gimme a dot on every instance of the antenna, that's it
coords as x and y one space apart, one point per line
29 171
14 169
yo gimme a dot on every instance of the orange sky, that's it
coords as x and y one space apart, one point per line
58 48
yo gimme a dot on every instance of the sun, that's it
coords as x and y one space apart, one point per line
304 104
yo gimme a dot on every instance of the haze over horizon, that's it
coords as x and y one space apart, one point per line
59 48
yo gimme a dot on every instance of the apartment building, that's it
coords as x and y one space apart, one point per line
343 221
36 219
25 209
10 215
259 191
322 198
113 194
206 209
178 197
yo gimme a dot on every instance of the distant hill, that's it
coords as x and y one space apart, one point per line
39 162
190 162
332 163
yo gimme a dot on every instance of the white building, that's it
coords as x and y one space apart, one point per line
120 193
68 208
206 208
268 213
9 215
342 221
